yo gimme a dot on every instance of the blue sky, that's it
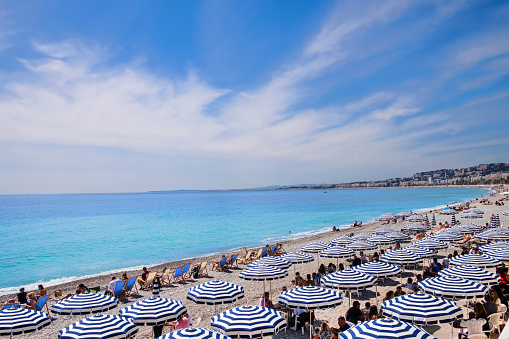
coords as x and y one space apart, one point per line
124 96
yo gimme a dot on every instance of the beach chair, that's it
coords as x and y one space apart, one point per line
280 250
203 269
246 259
150 279
185 272
273 250
219 265
119 289
233 261
41 303
176 274
265 251
258 254
130 284
10 306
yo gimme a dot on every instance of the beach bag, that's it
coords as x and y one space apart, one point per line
195 273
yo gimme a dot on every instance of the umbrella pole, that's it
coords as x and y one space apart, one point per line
310 326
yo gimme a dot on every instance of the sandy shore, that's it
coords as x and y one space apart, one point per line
201 313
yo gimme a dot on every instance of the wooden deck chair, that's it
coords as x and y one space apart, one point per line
203 271
130 284
233 261
258 254
185 272
176 274
280 250
265 251
245 259
10 306
243 251
119 289
41 303
150 280
219 265
273 250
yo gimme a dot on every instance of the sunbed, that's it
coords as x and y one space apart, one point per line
273 250
118 289
203 269
131 283
232 261
176 275
265 251
185 272
219 265
246 259
258 254
41 303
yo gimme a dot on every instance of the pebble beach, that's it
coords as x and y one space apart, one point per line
201 314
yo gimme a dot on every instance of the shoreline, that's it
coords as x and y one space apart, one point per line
307 236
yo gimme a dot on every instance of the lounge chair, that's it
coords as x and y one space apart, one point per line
232 261
203 269
119 289
280 250
150 280
176 275
130 284
41 303
265 251
258 254
219 265
10 306
246 259
185 272
273 250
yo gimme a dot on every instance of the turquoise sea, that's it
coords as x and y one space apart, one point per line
57 238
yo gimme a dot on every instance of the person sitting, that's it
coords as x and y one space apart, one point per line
22 296
324 332
367 307
111 286
265 301
446 261
341 267
32 301
309 281
356 261
373 313
143 279
41 291
437 266
354 313
419 277
399 292
409 284
182 322
321 271
489 305
316 280
334 229
331 268
298 279
427 273
343 326
81 288
389 295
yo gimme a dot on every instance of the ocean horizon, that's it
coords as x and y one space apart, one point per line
64 237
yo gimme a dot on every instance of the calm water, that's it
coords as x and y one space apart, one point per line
54 238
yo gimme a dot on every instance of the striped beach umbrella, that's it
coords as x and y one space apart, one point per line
494 246
271 261
493 235
20 320
386 217
431 244
361 236
348 280
398 236
506 213
100 326
248 322
337 252
215 292
472 273
421 309
400 257
415 227
478 260
404 214
426 222
464 228
453 220
315 247
415 218
154 311
384 230
84 303
342 241
476 210
446 236
421 251
263 273
470 215
380 239
194 333
501 254
378 269
496 221
297 257
448 211
385 329
361 246
310 298
433 221
451 287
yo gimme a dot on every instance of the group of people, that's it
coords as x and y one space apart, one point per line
28 300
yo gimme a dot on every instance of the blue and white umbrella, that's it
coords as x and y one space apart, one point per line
100 326
501 254
342 241
493 234
464 228
421 309
453 220
215 292
476 210
415 217
248 322
494 246
386 217
401 257
446 236
450 287
20 320
398 236
378 269
271 261
431 244
263 273
478 260
471 215
421 251
337 252
448 211
310 298
433 221
505 213
385 329
361 236
297 257
348 280
381 240
416 227
194 333
404 214
472 273
84 303
154 311
384 230
361 246
315 247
